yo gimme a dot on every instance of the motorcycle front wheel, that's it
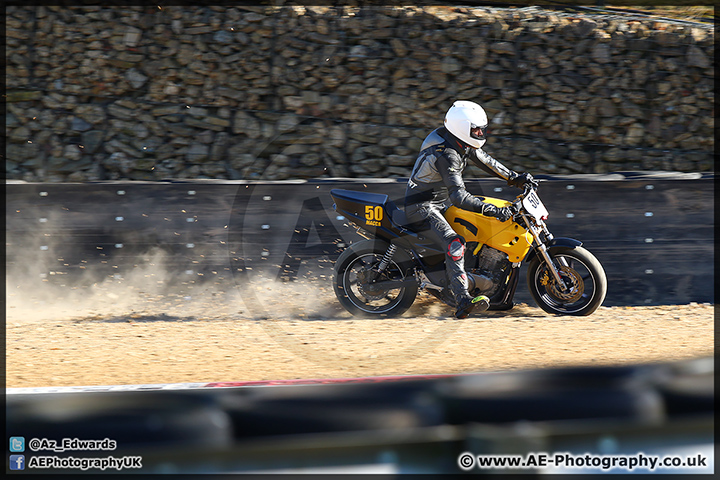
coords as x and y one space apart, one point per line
582 274
356 281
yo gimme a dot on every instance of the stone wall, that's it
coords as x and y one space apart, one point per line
151 93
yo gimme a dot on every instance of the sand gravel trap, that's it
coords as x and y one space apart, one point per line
115 334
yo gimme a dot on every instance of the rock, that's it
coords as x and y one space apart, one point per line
93 114
400 160
530 116
212 123
20 135
336 136
79 125
607 108
681 163
398 47
26 153
373 165
223 37
132 36
634 134
242 160
119 162
218 149
10 120
579 158
91 140
197 153
601 53
451 66
246 124
478 56
116 144
696 57
503 48
287 123
120 112
23 95
389 141
72 153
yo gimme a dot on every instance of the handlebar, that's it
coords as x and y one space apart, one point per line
516 205
531 185
527 188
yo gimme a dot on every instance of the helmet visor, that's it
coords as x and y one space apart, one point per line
478 132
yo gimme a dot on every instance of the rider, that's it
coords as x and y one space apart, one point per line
437 178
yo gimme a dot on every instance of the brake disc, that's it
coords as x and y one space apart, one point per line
368 290
573 283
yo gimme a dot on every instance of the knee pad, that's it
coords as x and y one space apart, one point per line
456 249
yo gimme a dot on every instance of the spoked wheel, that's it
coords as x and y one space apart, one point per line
365 292
582 274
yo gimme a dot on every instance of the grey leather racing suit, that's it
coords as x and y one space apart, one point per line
435 183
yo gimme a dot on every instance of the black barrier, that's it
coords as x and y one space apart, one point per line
653 233
396 426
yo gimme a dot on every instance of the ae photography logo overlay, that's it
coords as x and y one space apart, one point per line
246 202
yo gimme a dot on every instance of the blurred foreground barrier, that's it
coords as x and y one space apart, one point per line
394 426
653 232
138 419
618 393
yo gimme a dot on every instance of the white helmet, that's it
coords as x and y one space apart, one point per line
468 122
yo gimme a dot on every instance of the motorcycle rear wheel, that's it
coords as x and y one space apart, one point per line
360 297
580 270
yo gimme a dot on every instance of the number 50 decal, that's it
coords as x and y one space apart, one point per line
373 213
533 199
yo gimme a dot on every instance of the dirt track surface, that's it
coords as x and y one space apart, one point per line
109 337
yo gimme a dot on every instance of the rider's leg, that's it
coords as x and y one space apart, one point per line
454 247
457 281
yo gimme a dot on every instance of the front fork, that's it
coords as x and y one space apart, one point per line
536 231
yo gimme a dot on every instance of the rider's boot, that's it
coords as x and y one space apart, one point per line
466 303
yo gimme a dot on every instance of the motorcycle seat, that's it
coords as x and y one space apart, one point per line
400 219
395 214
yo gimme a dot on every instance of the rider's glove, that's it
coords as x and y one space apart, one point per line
520 179
501 213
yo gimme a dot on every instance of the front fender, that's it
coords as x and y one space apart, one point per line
552 244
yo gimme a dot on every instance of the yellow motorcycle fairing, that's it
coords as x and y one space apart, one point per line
508 237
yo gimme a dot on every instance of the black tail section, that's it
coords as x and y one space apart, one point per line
373 212
381 218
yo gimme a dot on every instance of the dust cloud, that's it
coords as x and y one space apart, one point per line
36 294
49 278
150 290
153 288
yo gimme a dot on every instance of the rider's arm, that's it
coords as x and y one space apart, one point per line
450 167
487 163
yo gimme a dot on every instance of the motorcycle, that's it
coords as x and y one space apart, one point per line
381 275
